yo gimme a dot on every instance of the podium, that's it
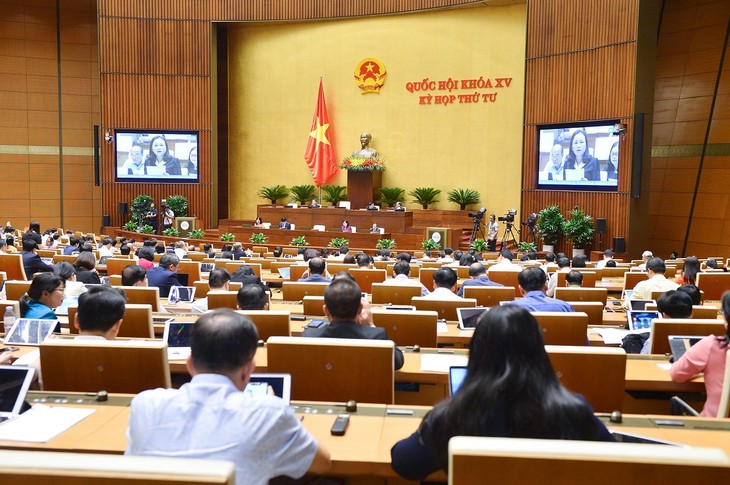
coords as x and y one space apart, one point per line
361 187
185 224
438 234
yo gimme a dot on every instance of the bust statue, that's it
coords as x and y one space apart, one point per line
365 151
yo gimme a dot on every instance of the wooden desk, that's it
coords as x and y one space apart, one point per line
331 218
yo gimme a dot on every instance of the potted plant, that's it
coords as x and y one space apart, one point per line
338 242
130 226
140 206
258 238
178 204
526 247
385 244
425 196
333 194
196 234
430 245
302 194
171 232
390 195
550 225
147 229
273 193
464 197
227 237
579 231
480 245
299 241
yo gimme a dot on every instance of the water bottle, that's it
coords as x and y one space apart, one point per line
9 318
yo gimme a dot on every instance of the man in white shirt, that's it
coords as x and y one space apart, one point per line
444 285
107 248
504 262
655 268
181 249
563 267
607 256
645 256
211 417
218 281
402 277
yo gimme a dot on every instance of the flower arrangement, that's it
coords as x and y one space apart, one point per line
363 164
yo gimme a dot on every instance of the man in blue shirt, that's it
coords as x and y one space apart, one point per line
478 275
533 285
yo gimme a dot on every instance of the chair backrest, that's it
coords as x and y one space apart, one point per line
80 468
384 293
594 310
127 366
223 299
196 256
297 271
408 327
723 410
589 279
462 271
507 278
563 328
137 321
115 280
116 265
577 462
69 258
202 288
662 328
425 276
296 291
326 369
712 284
46 253
631 278
14 289
366 277
313 305
581 294
12 265
445 308
269 322
617 272
578 368
489 296
144 294
232 266
704 312
190 268
335 267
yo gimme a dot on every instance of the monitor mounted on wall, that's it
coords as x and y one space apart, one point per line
578 156
156 156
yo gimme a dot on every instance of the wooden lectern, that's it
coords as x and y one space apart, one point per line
185 224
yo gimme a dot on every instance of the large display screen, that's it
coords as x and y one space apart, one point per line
578 156
159 156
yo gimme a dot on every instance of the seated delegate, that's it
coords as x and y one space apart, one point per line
510 391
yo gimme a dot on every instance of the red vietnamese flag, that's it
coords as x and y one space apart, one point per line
320 154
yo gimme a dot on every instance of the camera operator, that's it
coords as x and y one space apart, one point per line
168 217
492 232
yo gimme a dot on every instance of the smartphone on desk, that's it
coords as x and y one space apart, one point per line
315 324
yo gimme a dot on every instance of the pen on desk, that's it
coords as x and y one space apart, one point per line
442 351
301 418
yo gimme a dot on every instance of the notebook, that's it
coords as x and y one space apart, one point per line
641 319
177 336
26 331
259 384
640 304
457 374
285 272
14 384
468 317
679 344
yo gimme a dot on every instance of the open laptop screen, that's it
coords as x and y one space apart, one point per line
14 385
26 331
280 383
469 316
641 320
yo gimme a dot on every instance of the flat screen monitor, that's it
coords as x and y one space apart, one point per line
156 156
578 156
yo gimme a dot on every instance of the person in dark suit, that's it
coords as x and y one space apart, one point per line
164 276
344 309
284 224
237 251
85 268
246 276
478 275
31 261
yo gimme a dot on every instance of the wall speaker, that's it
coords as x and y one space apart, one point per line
601 225
619 245
106 220
637 154
123 208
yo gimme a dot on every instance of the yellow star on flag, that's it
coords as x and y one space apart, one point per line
320 132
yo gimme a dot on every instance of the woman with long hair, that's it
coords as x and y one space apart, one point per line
707 356
45 294
688 276
160 158
85 268
579 158
510 391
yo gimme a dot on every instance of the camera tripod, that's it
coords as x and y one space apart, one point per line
476 231
531 236
509 234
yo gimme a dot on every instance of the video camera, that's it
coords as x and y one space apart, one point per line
531 221
478 215
509 218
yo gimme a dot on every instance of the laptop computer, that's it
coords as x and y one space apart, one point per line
14 384
207 267
640 304
102 260
468 317
26 331
624 437
177 336
457 374
626 294
679 344
47 260
184 294
259 384
285 272
641 319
